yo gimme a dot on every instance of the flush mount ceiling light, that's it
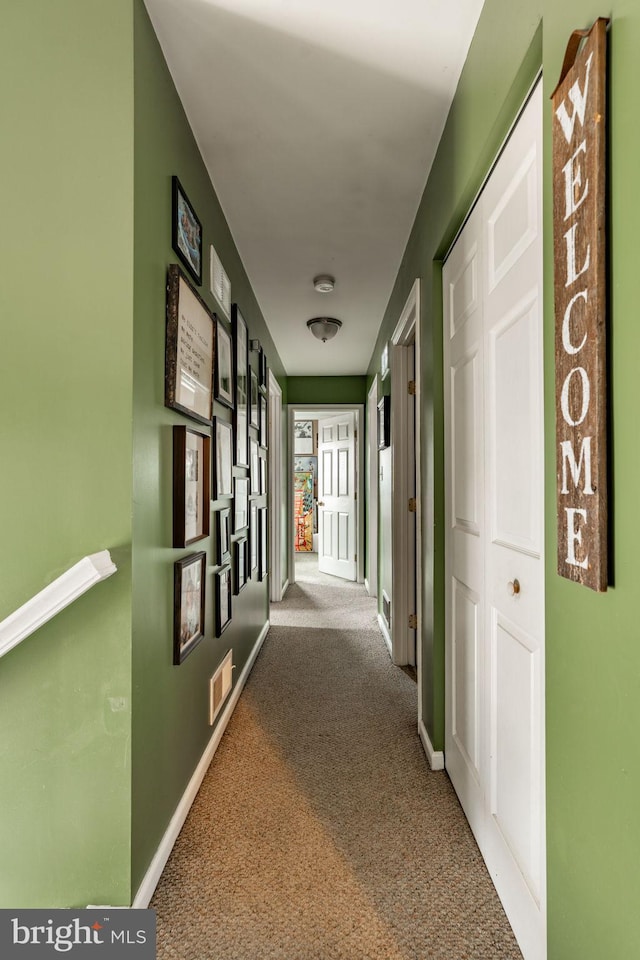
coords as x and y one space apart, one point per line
324 328
324 283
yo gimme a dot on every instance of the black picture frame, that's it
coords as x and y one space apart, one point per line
241 412
240 504
254 420
263 370
189 350
224 373
263 538
191 485
253 539
254 469
222 582
263 438
186 231
241 564
223 536
188 604
222 459
263 475
384 422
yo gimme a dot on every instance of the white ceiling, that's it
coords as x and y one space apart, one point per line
318 121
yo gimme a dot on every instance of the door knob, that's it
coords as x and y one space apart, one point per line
321 503
513 587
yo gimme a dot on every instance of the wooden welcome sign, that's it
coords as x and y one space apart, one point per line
579 243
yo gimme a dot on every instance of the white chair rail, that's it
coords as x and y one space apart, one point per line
55 597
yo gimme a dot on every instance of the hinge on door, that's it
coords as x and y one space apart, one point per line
413 505
413 621
412 388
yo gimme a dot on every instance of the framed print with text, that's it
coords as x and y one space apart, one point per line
188 605
241 418
222 458
191 485
186 231
190 349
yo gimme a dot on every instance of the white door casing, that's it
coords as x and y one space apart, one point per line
494 551
337 522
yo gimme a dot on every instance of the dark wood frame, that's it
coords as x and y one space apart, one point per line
223 536
384 422
240 564
238 482
254 419
181 650
263 541
227 398
220 424
223 599
180 485
175 277
243 387
177 188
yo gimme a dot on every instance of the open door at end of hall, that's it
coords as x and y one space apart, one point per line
337 514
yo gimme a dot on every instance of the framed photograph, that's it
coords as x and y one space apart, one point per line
255 417
262 370
263 551
303 437
223 536
191 485
241 556
262 411
384 362
254 473
190 349
253 539
384 422
223 599
225 392
263 475
241 504
186 232
241 420
222 458
188 604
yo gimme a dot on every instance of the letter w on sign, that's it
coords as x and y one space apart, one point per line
580 289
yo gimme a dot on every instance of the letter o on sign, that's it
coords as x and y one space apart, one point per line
586 396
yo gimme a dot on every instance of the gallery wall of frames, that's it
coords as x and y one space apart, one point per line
220 451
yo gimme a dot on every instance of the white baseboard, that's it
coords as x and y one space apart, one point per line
157 865
435 757
384 630
285 587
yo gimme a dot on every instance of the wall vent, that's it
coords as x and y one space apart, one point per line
220 686
386 609
219 283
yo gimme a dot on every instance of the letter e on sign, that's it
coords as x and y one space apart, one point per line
580 291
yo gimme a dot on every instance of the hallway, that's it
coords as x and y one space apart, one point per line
319 832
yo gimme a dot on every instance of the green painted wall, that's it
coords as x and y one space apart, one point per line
66 296
170 714
326 389
592 649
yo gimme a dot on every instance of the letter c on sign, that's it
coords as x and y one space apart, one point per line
586 396
566 331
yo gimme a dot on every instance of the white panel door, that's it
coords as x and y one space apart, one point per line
495 623
337 533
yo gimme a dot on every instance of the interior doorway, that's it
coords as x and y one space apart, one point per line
326 482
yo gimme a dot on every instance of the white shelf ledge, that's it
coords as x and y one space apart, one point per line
54 598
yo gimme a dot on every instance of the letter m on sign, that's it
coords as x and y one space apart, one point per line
580 294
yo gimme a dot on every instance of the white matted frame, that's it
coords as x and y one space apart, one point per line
317 411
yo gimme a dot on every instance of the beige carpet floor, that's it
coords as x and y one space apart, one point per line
319 832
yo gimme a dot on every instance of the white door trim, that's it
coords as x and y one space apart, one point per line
275 487
371 582
407 331
322 409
